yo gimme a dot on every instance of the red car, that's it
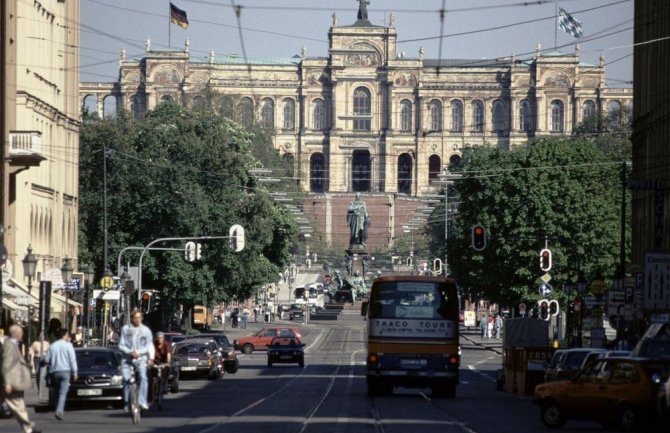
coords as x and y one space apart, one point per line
262 339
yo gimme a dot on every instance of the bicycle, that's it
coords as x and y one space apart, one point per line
133 404
159 385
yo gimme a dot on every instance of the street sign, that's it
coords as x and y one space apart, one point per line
598 287
591 301
545 289
107 282
546 278
657 281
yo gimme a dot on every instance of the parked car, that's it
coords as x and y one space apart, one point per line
230 361
199 357
286 350
99 378
261 339
593 354
565 364
617 392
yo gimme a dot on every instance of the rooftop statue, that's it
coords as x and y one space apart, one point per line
363 9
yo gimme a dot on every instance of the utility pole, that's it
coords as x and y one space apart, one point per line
447 179
105 227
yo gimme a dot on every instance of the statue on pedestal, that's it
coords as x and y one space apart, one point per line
358 220
363 10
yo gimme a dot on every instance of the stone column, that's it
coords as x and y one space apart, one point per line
333 105
513 115
347 174
389 108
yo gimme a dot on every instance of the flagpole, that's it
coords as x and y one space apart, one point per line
556 28
169 26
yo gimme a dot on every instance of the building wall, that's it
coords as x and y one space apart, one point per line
42 106
651 128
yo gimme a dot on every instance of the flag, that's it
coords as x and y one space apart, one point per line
178 16
569 24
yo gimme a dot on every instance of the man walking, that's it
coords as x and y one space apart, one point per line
245 317
498 325
483 326
37 351
62 366
136 342
16 378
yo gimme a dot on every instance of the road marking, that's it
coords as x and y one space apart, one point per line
474 369
316 340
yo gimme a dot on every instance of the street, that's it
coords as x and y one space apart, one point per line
328 395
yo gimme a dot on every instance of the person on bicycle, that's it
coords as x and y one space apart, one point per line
163 354
136 343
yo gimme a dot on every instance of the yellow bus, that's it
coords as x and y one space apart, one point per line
201 317
412 338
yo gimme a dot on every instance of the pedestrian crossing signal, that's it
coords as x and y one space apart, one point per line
478 237
545 260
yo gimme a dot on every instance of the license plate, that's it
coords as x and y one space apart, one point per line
89 392
412 363
286 357
188 369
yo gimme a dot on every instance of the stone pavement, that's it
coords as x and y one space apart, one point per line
473 336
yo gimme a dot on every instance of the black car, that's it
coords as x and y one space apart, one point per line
296 312
230 361
286 350
99 377
199 356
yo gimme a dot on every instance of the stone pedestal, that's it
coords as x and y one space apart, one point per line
356 260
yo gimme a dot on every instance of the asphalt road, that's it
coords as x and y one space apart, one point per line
327 395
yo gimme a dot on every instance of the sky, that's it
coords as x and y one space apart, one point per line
280 28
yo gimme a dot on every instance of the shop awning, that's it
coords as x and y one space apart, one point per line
12 306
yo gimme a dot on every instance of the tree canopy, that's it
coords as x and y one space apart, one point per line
179 173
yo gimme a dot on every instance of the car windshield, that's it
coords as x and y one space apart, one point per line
575 359
291 342
87 359
192 349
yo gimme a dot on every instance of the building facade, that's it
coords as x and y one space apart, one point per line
40 115
367 118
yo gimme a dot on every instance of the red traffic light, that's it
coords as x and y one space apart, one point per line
545 260
478 237
146 296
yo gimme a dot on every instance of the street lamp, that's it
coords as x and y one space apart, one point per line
66 272
581 289
89 278
29 266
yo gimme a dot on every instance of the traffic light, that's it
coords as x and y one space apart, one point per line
544 310
478 237
146 302
155 302
545 260
198 251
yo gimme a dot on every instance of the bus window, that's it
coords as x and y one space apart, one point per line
413 300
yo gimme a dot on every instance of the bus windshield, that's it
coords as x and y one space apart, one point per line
413 300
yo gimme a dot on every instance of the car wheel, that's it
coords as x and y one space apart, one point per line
627 418
301 363
269 363
174 388
248 349
552 415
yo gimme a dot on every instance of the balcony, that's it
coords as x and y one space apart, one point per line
25 148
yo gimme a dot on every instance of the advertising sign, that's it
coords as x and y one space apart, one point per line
656 284
413 328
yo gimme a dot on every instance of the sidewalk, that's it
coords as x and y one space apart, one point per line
473 336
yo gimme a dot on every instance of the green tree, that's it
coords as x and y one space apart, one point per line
567 189
181 172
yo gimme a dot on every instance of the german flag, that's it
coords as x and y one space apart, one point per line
178 16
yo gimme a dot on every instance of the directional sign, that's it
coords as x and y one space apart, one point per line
107 282
545 289
546 278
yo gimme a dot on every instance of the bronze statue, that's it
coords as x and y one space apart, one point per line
363 9
358 220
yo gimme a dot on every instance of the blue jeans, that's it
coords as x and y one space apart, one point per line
61 383
144 382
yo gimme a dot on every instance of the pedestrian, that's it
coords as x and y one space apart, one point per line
234 317
245 317
483 327
16 378
78 337
489 327
36 352
256 311
62 365
498 326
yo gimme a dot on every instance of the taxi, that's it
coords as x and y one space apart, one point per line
617 392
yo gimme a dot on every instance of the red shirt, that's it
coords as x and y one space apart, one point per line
162 352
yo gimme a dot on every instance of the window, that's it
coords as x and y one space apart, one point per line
289 114
498 116
90 105
477 116
268 113
614 113
456 116
363 108
317 173
435 111
556 116
588 110
405 174
525 120
406 116
246 112
319 114
109 106
434 167
167 98
361 171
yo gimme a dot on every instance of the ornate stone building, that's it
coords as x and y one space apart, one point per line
366 117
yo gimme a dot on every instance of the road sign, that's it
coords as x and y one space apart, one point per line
546 278
598 287
545 289
522 306
107 282
657 281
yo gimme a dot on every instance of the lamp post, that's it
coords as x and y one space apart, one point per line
66 272
29 266
581 288
89 277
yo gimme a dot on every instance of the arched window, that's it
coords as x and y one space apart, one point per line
456 115
362 108
199 103
90 105
317 173
614 113
435 111
268 113
477 116
525 119
319 114
498 116
289 114
137 106
227 107
556 116
289 163
246 112
109 106
405 174
405 116
167 98
434 167
361 171
588 110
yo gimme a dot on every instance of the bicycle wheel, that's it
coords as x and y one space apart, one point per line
159 397
135 412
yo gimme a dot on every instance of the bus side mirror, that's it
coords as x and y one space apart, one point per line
364 308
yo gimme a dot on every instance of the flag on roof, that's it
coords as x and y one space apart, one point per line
178 16
569 24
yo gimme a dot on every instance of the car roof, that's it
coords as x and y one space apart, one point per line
193 341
